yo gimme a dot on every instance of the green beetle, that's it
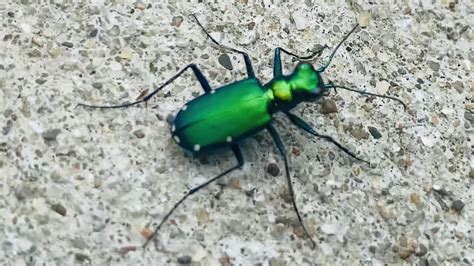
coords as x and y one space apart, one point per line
225 116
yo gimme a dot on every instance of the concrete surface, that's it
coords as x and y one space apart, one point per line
79 186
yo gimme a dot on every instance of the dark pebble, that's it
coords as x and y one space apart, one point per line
59 208
81 257
93 33
224 60
184 259
421 250
139 134
458 205
21 193
97 85
443 192
11 14
250 192
328 106
7 127
40 81
51 134
374 132
402 71
251 25
67 44
273 169
372 249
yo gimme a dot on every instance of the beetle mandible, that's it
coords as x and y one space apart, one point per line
223 117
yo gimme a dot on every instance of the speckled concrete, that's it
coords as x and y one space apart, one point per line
80 185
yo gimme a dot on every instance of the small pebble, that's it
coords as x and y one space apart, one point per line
276 262
34 53
433 65
328 106
184 259
40 81
97 85
51 134
224 260
81 257
359 133
421 250
273 169
176 21
93 33
251 25
384 212
224 60
372 249
59 208
296 151
7 127
139 134
125 250
97 182
67 44
458 205
140 5
374 132
364 19
415 199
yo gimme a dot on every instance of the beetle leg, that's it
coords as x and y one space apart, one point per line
248 63
277 68
240 160
197 72
306 127
281 149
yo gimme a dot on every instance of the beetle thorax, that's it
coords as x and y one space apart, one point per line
288 91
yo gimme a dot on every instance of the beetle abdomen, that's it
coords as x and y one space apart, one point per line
227 115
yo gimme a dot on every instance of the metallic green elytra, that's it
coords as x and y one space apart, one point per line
225 116
216 119
236 111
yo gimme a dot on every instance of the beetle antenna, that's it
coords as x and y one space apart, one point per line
368 93
321 69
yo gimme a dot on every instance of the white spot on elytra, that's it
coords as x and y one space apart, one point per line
213 91
229 139
173 128
176 138
184 108
197 147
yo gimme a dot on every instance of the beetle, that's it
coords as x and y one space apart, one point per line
223 117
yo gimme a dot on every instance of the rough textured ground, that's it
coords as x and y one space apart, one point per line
80 185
